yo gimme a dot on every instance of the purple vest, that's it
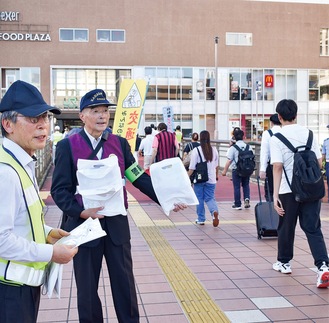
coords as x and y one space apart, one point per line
82 150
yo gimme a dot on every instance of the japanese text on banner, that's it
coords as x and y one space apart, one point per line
129 109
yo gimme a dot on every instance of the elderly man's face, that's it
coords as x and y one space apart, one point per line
30 133
95 119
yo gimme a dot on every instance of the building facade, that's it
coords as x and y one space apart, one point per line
217 63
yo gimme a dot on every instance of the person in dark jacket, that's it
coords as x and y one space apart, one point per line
94 142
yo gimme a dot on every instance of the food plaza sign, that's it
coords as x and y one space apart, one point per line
18 35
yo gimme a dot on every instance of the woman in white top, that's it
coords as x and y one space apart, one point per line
205 192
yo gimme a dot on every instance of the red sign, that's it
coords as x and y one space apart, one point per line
269 81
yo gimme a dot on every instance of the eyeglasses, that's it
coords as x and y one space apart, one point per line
44 117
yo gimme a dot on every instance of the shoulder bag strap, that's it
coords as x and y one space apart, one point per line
282 138
99 145
237 147
309 140
199 154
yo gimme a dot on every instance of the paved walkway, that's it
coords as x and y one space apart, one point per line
190 273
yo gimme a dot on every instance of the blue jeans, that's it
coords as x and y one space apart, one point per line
237 182
205 193
327 175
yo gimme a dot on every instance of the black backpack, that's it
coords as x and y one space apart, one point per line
246 164
307 182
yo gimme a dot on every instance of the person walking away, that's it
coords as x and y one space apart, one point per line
233 140
188 149
266 169
137 144
55 137
145 148
165 144
289 210
94 142
238 181
154 129
26 243
179 137
205 192
325 159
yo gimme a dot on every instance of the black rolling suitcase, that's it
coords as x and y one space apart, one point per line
267 219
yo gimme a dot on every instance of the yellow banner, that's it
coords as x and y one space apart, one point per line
129 109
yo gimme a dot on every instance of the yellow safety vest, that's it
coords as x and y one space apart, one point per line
29 273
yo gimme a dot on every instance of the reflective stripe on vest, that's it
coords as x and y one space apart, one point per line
29 273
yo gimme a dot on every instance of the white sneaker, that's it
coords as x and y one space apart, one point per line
282 268
199 222
323 276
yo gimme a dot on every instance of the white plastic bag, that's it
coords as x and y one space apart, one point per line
100 184
172 184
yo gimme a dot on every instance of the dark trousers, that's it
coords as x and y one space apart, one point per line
19 304
268 187
87 267
309 220
239 181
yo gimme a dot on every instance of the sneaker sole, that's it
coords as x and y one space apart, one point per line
325 280
215 220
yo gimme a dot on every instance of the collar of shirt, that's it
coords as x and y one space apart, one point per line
94 141
22 156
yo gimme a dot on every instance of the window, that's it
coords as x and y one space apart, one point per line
313 81
324 42
210 84
246 84
74 34
150 71
110 35
324 85
234 85
239 39
70 84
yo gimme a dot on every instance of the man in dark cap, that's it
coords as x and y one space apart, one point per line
93 142
25 241
266 169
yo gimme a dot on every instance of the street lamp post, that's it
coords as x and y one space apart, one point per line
216 88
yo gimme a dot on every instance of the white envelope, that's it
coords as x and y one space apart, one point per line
172 184
87 231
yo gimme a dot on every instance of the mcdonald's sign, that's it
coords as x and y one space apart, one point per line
269 80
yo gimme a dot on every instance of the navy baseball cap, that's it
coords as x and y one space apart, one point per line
93 99
25 99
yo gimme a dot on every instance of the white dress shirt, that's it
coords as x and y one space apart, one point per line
15 228
265 155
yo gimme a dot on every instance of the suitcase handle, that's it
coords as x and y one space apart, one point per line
260 195
267 187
